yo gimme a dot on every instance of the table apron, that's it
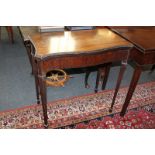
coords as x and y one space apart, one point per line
142 59
81 60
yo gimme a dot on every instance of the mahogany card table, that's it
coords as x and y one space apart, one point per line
143 53
73 49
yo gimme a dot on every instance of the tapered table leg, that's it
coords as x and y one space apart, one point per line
120 76
86 78
97 81
102 73
10 33
133 84
107 70
35 72
43 93
37 89
153 68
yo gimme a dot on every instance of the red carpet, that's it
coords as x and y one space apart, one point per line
83 108
140 118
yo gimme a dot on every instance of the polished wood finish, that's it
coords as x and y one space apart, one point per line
133 84
143 53
26 31
76 42
74 50
122 70
34 70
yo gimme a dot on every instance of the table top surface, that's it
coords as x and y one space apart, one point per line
73 42
26 31
143 37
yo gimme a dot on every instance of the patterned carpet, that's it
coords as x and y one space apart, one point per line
138 118
84 108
